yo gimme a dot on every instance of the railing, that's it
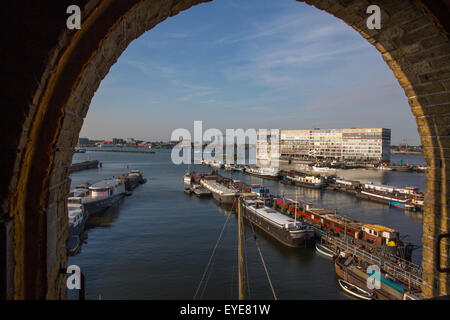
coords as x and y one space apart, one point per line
408 272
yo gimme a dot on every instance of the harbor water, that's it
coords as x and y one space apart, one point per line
156 243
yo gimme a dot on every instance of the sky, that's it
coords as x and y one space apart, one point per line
272 64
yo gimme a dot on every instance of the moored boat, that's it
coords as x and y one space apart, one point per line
266 173
133 179
220 192
323 169
287 230
97 197
312 182
323 250
201 192
73 245
187 178
358 275
215 164
355 291
77 216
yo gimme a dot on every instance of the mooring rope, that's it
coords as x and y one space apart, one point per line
212 255
264 264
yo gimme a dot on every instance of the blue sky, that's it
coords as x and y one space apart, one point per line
248 64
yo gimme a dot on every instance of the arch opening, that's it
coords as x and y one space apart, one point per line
413 46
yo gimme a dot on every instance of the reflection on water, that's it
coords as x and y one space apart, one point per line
156 243
104 219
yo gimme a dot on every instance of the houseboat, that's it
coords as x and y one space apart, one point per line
98 197
313 182
372 237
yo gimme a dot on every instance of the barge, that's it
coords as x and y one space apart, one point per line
375 238
133 179
99 196
287 230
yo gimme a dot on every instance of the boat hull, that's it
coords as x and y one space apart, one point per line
324 251
385 200
309 185
224 199
201 193
355 291
348 275
306 239
263 176
73 245
78 229
97 206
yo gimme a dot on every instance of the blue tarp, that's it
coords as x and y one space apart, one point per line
388 282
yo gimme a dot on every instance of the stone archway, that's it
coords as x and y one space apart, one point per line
52 74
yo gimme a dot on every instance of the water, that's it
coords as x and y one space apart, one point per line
156 243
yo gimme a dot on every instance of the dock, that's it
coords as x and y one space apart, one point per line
89 164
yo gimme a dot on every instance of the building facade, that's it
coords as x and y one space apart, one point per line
359 144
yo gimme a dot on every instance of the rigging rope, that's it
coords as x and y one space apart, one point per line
264 264
211 257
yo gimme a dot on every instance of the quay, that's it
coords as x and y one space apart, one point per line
89 164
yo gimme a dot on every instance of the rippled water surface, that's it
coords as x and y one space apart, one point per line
156 243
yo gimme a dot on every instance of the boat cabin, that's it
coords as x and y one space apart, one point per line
380 235
260 191
104 189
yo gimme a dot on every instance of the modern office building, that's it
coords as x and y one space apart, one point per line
364 144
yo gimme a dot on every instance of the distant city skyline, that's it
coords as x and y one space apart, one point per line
255 64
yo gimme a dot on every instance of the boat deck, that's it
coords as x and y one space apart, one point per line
218 188
271 214
105 184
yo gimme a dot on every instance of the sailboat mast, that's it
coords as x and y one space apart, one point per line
295 212
241 269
